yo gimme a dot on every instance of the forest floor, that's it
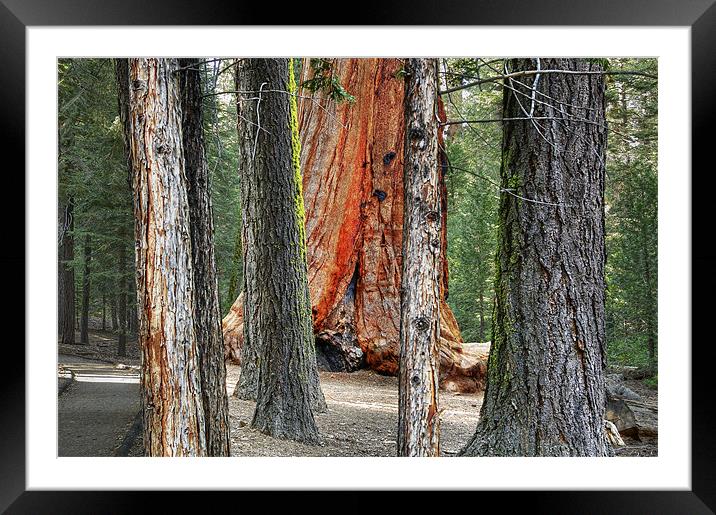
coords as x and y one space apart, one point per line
361 420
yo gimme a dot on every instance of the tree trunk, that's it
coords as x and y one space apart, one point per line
650 319
104 312
66 282
352 160
418 419
132 315
545 391
122 301
207 321
84 325
171 384
113 313
77 310
277 316
482 315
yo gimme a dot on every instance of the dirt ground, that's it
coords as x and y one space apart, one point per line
362 419
362 413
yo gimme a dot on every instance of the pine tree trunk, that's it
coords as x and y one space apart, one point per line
131 314
418 419
482 315
113 313
545 391
171 383
352 163
650 319
77 310
122 304
66 282
84 324
277 308
207 320
104 312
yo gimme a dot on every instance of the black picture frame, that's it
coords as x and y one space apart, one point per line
700 15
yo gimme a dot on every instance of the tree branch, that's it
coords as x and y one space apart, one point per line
526 73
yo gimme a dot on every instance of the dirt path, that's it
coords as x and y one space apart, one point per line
96 409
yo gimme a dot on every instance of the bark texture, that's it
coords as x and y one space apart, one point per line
207 317
545 391
418 420
352 162
66 275
277 306
171 384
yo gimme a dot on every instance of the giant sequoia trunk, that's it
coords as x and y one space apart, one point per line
418 420
66 275
352 162
279 353
171 384
545 391
207 317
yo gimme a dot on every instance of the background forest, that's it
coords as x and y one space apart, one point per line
95 202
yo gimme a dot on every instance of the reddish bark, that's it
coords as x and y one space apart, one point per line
352 164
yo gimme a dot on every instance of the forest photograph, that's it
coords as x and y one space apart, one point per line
357 257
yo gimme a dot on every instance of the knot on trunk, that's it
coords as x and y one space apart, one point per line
387 158
422 324
417 133
380 194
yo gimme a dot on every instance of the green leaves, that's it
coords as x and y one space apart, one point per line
323 79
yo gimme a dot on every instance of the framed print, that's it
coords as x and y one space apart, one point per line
667 50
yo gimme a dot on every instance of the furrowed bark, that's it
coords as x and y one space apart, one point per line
545 391
207 321
66 275
277 310
419 422
171 384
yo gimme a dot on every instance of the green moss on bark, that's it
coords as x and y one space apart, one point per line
296 160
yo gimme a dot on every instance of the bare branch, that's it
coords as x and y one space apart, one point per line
526 73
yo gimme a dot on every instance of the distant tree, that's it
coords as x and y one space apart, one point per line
66 275
221 149
632 221
84 325
474 164
418 418
545 392
172 404
278 357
